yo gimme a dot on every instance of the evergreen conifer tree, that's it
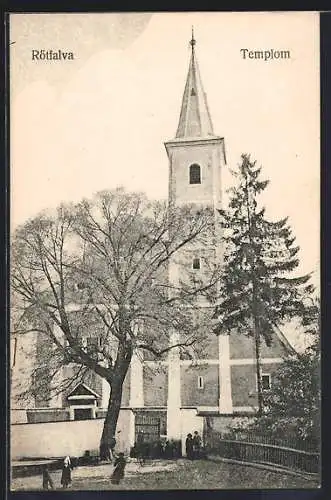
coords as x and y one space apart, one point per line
257 289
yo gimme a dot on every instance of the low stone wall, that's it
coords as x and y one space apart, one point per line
57 439
47 415
72 437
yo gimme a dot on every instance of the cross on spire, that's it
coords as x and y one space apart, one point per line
192 41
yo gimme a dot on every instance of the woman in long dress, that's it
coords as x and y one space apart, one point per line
189 446
118 472
66 472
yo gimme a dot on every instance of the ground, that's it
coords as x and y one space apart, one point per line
180 474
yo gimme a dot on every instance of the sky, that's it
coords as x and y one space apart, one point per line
101 120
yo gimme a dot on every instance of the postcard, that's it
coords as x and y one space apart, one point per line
165 299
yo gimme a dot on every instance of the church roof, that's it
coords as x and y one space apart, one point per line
194 120
283 339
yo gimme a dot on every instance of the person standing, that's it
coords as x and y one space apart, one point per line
118 472
140 446
196 445
66 472
47 480
189 446
112 445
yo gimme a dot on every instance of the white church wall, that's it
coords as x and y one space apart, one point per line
22 359
18 416
189 422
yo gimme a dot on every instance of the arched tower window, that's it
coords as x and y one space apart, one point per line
195 174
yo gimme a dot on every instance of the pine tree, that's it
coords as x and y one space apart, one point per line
257 291
292 406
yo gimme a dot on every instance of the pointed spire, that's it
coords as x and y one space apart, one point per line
194 120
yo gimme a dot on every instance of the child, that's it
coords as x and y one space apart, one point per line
119 465
47 480
66 472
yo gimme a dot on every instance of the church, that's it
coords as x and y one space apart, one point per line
169 398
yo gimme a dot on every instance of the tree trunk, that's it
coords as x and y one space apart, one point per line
257 341
258 366
114 405
109 427
251 233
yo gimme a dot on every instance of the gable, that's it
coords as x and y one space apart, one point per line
242 346
288 347
83 390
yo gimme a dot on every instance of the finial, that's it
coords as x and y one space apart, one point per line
193 41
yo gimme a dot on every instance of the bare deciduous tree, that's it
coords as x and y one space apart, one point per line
106 266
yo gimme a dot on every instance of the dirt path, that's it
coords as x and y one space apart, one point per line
180 474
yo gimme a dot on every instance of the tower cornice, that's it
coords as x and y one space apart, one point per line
188 141
191 141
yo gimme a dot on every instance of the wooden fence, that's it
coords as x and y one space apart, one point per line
263 449
286 442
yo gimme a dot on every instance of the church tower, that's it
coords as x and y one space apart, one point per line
196 155
196 158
